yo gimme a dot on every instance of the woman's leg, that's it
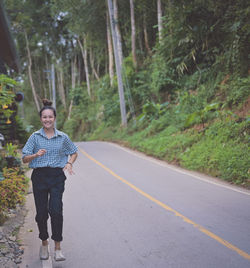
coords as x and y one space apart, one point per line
56 189
40 192
57 245
56 214
56 210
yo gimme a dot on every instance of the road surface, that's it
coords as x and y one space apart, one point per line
125 210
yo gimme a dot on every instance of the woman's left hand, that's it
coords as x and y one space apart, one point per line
68 167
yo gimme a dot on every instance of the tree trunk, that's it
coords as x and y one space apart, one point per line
86 68
73 72
133 34
30 73
39 80
61 87
159 17
48 74
110 51
118 65
73 82
171 28
146 36
118 32
93 65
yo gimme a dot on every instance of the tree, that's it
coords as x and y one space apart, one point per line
118 32
159 17
118 64
85 59
110 50
133 32
30 73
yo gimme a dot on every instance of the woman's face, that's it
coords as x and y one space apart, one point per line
48 119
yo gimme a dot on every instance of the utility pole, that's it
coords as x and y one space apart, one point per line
117 64
53 87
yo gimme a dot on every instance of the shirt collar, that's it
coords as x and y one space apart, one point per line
42 133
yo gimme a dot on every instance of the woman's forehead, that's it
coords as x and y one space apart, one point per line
47 112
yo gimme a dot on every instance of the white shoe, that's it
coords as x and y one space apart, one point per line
59 256
44 252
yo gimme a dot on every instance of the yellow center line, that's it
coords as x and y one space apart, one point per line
201 228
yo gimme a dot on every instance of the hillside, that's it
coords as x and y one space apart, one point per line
169 78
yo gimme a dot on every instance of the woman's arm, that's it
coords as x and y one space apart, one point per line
28 158
70 162
72 158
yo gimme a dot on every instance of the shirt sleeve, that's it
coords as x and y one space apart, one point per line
69 146
29 147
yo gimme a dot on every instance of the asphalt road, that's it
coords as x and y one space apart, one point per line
125 210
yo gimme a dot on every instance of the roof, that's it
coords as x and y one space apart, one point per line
8 51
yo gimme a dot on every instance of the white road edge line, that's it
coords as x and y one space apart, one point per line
166 165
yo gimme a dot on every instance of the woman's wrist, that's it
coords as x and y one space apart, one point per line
70 163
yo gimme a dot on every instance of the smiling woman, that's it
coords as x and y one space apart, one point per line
47 152
48 117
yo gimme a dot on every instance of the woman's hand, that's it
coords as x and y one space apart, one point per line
29 158
41 152
68 167
69 164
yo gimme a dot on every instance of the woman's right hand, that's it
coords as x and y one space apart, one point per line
28 158
41 152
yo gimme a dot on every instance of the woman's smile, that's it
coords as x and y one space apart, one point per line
48 119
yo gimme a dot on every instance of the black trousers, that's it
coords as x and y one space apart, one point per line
48 187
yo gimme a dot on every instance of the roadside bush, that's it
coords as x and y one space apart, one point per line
12 189
70 127
223 151
238 91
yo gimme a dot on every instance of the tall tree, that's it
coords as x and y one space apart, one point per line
30 72
85 59
159 17
92 64
118 31
133 32
145 32
118 64
61 90
110 50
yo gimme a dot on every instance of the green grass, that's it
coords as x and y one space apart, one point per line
221 149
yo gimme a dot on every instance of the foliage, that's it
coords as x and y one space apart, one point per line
220 153
221 150
12 189
21 132
184 87
151 110
237 90
163 77
11 156
6 95
202 115
11 149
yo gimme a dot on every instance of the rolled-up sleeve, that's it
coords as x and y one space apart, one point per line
69 146
28 148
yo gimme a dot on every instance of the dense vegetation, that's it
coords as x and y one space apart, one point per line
186 85
13 182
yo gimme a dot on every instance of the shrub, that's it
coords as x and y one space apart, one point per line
223 151
12 189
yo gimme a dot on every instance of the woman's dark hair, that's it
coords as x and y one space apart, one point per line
47 105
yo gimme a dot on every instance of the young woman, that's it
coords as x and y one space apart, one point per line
49 153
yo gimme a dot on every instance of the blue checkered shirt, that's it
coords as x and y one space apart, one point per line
58 148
